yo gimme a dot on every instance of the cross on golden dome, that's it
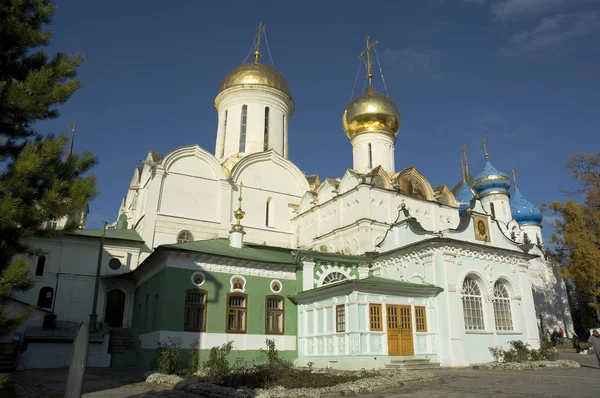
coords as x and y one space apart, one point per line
261 31
514 176
239 213
369 64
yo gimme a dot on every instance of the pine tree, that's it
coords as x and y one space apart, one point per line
39 181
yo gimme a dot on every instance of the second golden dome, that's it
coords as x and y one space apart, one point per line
371 112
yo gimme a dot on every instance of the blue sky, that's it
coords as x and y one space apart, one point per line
523 73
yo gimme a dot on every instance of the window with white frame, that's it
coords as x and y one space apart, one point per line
502 314
472 305
334 277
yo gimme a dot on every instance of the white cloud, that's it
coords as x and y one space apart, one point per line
515 9
553 31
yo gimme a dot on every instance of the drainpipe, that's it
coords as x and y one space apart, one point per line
93 315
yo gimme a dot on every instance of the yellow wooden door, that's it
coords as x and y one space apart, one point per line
406 332
393 331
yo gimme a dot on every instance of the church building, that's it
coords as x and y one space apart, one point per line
353 272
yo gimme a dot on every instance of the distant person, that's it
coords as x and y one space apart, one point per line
548 338
595 340
576 344
561 332
554 337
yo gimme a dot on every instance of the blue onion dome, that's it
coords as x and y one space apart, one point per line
523 211
491 181
464 195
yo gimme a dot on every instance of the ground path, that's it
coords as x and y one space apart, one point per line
453 383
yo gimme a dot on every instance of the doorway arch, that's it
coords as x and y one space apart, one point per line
115 308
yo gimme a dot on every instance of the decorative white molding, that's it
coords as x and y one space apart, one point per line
273 285
194 278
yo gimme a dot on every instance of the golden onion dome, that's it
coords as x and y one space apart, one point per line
255 73
371 112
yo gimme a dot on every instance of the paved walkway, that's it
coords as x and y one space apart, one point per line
453 383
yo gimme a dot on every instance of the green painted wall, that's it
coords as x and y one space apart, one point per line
160 302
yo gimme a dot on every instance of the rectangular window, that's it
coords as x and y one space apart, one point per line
224 134
39 268
266 139
243 122
236 313
274 315
340 318
370 156
375 317
195 310
420 319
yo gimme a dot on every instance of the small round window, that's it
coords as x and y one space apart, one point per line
198 278
114 264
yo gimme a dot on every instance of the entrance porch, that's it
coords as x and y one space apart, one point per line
366 323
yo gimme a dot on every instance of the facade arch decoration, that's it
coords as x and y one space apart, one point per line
185 236
379 178
478 277
502 308
271 156
472 303
512 287
412 183
333 275
237 284
198 152
444 196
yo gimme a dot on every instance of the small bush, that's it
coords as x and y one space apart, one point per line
194 358
169 354
271 352
217 366
520 352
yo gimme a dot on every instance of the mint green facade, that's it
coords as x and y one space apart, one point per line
160 305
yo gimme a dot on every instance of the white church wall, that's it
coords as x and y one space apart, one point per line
370 150
190 197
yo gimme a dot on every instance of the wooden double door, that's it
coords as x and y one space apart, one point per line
399 330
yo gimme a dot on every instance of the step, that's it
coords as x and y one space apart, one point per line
410 360
431 365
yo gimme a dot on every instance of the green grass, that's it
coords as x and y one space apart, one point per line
569 346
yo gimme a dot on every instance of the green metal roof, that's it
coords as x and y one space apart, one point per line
120 234
220 247
370 284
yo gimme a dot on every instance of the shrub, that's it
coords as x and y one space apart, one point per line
217 366
520 352
271 352
169 354
194 358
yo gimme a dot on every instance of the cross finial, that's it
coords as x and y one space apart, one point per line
464 159
514 176
484 143
261 30
72 127
369 64
462 169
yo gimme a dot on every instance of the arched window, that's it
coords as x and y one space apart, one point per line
334 277
224 134
492 210
266 138
243 121
269 213
472 305
502 314
45 297
370 156
185 236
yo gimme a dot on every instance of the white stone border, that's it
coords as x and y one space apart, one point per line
280 286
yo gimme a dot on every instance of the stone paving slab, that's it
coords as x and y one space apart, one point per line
454 383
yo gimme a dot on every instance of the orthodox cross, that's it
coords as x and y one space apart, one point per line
464 160
514 176
484 143
72 127
367 52
261 30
